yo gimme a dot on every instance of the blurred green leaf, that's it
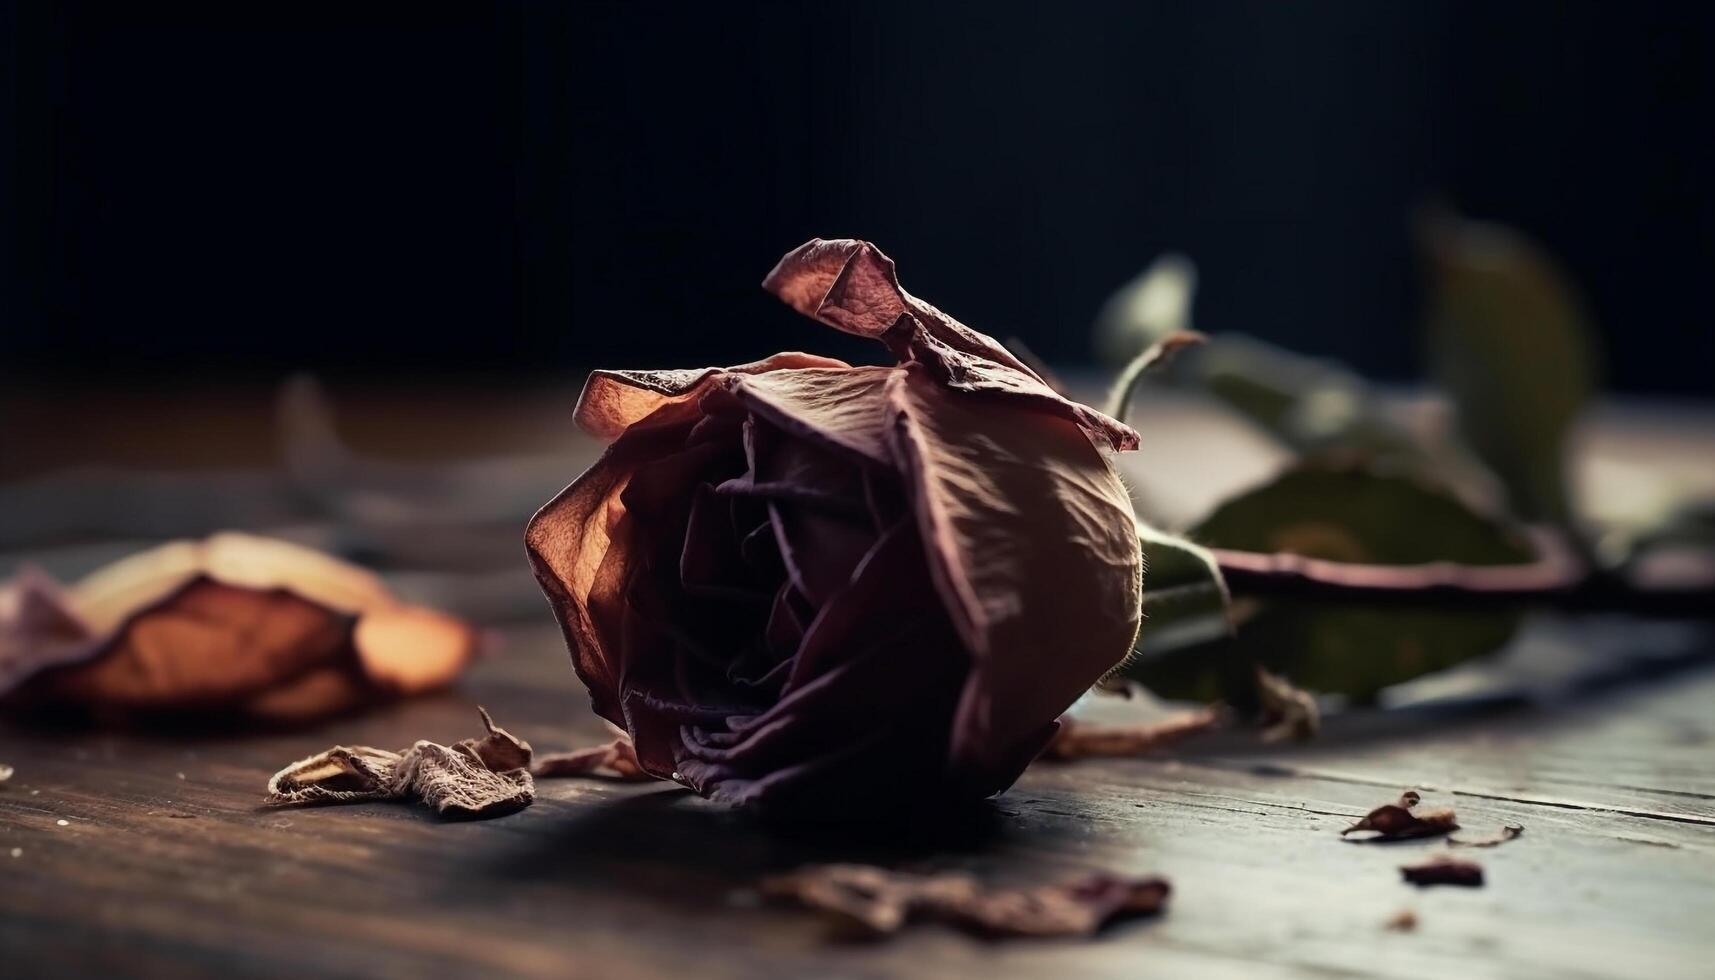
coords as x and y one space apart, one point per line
1342 513
1509 340
1149 308
1311 405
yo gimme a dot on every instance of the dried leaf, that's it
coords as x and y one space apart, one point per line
1077 740
1444 870
877 902
1405 920
616 760
235 624
1511 831
477 777
1287 712
1399 821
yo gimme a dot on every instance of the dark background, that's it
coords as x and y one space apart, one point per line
418 188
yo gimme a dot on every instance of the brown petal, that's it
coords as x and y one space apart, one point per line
612 401
410 649
112 594
878 902
234 623
615 760
851 286
1077 740
208 645
1028 533
1399 821
1444 870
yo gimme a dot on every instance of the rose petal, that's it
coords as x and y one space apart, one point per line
613 401
1028 534
207 645
410 649
232 624
851 286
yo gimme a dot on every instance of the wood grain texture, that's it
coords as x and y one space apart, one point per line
168 864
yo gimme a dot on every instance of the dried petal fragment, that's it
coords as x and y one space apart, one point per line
1405 920
877 902
852 286
477 777
1077 740
235 624
1511 831
1444 870
1398 821
616 760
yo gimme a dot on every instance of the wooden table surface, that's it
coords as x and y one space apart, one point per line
152 854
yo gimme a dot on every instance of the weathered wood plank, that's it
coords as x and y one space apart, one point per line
157 873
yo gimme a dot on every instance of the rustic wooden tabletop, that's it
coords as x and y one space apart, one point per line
151 853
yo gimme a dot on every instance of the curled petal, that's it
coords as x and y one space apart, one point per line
615 400
1028 534
852 286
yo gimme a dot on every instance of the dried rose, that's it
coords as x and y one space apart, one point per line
235 624
800 582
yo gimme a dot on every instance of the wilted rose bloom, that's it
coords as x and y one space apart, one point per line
807 584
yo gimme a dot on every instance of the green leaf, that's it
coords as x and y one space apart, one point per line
1347 513
1147 309
1508 339
1311 405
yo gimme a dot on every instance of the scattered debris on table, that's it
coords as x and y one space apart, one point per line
1399 821
1443 869
477 777
1405 920
235 624
873 901
1287 712
1078 740
1511 831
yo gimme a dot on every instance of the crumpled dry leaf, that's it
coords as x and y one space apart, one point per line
876 902
1287 712
237 624
615 760
477 777
1444 870
1511 831
1399 821
1078 740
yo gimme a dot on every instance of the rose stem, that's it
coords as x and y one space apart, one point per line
1560 584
